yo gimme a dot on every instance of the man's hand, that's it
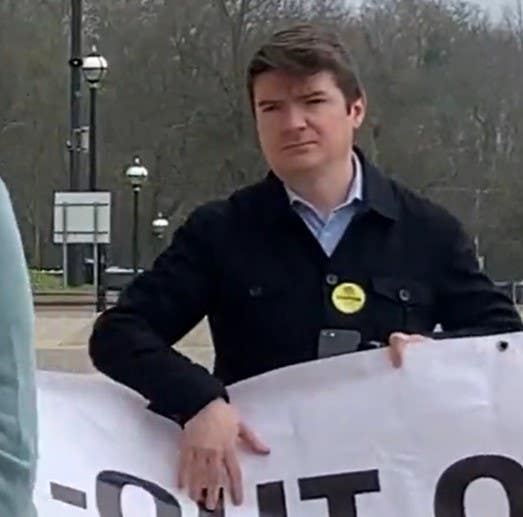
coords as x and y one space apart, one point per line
208 459
398 341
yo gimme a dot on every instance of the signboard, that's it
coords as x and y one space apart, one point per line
82 218
350 437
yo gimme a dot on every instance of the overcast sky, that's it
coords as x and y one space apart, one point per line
494 7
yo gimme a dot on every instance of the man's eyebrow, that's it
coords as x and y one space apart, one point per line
267 102
305 96
316 93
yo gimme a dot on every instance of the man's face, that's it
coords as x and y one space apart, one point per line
304 124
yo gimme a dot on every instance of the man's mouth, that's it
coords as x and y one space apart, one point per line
297 145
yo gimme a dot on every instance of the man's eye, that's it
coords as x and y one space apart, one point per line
268 108
315 101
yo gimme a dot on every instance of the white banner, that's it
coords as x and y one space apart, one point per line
350 437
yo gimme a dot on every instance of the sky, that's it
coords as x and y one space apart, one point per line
494 7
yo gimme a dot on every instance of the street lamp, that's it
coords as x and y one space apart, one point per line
160 225
137 176
94 67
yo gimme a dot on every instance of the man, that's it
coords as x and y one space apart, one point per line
18 425
324 242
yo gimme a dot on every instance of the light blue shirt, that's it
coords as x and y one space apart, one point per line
18 425
329 230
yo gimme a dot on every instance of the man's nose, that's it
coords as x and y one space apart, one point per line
294 119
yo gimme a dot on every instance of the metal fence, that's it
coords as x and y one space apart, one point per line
514 290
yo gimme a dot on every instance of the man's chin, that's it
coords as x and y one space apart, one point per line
297 167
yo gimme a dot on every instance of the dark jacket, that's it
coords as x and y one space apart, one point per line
252 266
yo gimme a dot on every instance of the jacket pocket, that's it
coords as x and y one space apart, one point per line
403 304
403 291
254 291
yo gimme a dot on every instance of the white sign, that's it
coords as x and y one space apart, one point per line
350 437
82 217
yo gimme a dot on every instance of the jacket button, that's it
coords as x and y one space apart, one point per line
404 295
332 279
255 291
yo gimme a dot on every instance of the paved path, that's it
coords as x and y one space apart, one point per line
62 335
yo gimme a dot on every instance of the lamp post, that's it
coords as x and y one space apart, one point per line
94 68
160 225
74 266
137 176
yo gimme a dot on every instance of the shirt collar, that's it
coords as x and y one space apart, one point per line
354 194
379 193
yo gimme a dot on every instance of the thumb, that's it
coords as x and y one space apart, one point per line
397 343
252 441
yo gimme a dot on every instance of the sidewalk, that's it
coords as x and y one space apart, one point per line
62 335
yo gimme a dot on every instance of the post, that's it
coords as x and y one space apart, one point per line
96 280
101 292
477 217
65 264
75 273
101 301
93 169
136 195
98 255
96 271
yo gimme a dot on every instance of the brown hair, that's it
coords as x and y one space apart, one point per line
306 49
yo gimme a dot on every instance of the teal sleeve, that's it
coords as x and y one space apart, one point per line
18 421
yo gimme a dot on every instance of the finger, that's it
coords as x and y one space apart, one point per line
397 344
214 467
198 476
186 455
252 441
217 508
235 476
396 337
212 498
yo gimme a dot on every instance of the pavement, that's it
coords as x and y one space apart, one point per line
62 334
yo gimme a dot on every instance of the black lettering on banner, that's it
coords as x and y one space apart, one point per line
69 495
340 490
450 490
271 500
109 486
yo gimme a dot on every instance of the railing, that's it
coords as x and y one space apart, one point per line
513 289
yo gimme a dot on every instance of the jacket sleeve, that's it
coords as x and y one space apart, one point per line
18 421
469 303
132 342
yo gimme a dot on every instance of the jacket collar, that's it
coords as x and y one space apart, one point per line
378 193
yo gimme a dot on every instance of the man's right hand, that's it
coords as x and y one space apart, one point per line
208 459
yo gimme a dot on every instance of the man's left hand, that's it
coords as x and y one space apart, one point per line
398 341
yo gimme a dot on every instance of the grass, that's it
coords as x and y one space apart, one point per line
42 281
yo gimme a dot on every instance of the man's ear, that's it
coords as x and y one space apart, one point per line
357 110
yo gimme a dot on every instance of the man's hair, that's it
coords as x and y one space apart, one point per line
305 50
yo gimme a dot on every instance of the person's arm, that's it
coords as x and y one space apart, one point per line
132 342
469 304
18 422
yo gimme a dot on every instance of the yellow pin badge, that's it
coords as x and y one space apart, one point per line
348 298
